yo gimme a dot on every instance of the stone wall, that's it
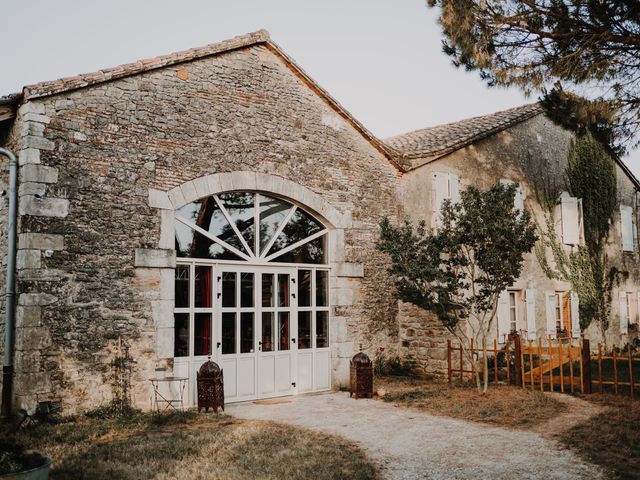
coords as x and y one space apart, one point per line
93 155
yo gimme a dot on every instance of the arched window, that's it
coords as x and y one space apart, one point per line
223 227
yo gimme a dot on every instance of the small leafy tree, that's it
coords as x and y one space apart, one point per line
459 271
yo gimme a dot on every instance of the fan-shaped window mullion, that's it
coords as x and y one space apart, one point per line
277 233
296 245
233 225
204 232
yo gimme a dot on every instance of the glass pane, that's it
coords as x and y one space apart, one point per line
191 244
240 207
310 252
203 287
272 212
268 288
207 215
246 332
267 332
283 290
202 334
322 329
228 333
182 286
229 289
246 289
181 335
304 330
283 331
304 288
322 288
300 226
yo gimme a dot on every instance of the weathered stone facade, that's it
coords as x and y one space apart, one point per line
106 159
94 264
533 153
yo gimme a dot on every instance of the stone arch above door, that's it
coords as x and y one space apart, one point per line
262 182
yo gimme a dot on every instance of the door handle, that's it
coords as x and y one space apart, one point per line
218 345
293 340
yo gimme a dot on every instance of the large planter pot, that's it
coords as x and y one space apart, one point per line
38 473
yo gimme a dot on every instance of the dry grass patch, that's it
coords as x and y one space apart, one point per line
193 447
503 406
610 439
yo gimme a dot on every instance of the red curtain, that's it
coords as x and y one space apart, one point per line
205 302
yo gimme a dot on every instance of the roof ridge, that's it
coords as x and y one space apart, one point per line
64 84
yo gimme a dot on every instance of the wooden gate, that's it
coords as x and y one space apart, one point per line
553 365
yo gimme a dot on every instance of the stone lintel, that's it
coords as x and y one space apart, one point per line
155 258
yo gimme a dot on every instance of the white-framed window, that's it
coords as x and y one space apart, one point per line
249 226
511 313
446 186
628 233
563 313
569 220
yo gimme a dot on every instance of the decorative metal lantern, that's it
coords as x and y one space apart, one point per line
361 375
210 387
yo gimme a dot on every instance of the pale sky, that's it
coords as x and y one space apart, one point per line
381 59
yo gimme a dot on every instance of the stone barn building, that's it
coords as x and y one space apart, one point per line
219 203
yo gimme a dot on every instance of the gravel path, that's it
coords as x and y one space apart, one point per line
408 444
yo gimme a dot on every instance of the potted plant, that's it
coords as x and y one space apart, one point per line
16 463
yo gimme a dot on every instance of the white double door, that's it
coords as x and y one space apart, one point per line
256 331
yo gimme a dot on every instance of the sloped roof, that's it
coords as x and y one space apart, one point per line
434 142
44 89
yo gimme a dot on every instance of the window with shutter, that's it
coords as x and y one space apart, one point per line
518 201
454 187
550 304
575 315
570 218
445 186
531 313
626 227
503 316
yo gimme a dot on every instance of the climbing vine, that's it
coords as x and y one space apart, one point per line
591 176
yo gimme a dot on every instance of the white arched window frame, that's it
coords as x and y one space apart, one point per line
256 250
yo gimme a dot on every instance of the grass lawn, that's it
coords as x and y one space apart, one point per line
193 446
504 406
610 439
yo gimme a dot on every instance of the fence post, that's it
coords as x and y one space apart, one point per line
586 365
517 352
449 360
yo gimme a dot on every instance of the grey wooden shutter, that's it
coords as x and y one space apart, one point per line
531 313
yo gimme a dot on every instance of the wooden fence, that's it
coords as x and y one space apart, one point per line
616 371
458 365
550 365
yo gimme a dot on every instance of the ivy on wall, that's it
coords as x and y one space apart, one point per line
591 176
